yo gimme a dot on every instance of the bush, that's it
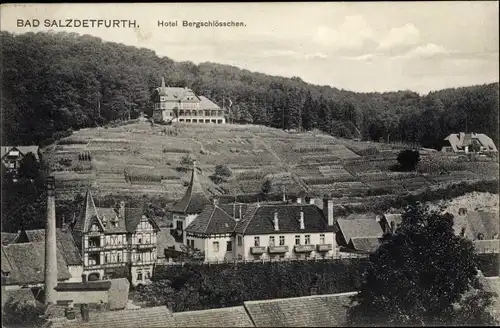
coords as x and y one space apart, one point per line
408 159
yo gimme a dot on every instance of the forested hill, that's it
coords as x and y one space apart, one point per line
53 82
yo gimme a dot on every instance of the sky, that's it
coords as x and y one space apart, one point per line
363 47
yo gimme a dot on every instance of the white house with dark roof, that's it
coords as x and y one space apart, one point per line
176 104
116 243
262 232
461 143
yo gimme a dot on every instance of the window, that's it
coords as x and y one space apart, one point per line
119 257
240 257
307 240
256 241
105 258
229 246
271 240
139 275
297 240
179 225
148 275
138 257
322 239
240 241
215 246
282 240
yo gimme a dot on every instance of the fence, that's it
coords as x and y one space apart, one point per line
210 261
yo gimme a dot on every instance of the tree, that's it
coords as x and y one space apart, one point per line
186 163
408 159
421 275
475 147
222 172
29 167
266 187
17 314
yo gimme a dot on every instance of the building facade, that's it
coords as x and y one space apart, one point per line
116 243
226 232
263 232
175 104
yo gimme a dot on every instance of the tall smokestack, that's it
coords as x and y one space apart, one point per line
50 244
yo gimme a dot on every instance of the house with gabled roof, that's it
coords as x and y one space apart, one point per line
462 142
65 244
12 155
359 235
189 207
23 265
116 242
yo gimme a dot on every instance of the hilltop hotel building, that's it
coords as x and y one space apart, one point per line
174 104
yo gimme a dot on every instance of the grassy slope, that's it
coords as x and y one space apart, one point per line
313 163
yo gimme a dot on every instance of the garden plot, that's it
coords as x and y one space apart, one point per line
335 171
414 183
372 176
251 186
393 185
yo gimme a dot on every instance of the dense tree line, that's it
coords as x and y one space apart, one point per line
53 82
422 274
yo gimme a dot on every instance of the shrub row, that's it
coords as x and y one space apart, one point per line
202 286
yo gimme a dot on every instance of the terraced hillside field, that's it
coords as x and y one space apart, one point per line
138 159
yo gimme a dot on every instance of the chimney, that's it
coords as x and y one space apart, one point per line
121 210
84 278
275 221
84 311
69 312
162 84
50 244
328 210
302 227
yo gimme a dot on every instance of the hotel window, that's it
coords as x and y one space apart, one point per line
139 275
240 241
282 240
307 240
256 241
179 225
215 246
105 258
271 240
297 240
229 246
119 258
322 239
